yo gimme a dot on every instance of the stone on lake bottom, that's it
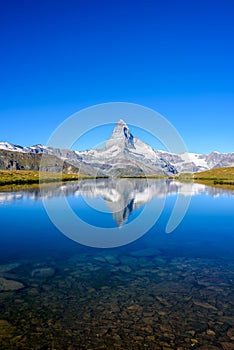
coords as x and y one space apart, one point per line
43 272
10 285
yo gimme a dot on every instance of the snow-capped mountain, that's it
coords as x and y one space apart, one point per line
193 162
16 148
123 154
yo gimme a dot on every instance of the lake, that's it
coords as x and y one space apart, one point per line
145 289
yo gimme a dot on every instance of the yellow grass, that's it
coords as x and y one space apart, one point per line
19 177
220 177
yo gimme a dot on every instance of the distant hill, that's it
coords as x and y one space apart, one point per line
10 160
221 177
216 174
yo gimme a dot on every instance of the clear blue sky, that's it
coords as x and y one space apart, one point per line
176 57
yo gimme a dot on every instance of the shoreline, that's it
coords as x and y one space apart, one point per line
218 178
34 177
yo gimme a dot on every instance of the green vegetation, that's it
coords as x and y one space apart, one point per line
222 174
27 177
219 177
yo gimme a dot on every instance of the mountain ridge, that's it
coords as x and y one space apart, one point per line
123 154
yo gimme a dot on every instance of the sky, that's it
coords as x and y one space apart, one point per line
174 56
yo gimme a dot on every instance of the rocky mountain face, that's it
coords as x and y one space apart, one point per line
12 160
123 154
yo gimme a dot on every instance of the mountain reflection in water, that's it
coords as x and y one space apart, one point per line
121 196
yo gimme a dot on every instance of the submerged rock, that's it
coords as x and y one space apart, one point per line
6 330
204 305
8 285
43 272
100 259
125 268
111 259
230 333
210 332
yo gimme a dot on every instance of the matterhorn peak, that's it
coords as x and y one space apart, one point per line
121 125
122 122
121 136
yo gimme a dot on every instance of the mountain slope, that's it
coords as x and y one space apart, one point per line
193 162
216 174
31 161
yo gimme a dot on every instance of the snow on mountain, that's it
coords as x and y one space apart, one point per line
10 147
16 148
193 162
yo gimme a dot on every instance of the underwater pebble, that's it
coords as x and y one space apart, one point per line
210 332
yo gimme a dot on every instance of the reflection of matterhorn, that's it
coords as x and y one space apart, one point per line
125 203
121 196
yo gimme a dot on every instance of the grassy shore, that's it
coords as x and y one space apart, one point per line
220 177
25 177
